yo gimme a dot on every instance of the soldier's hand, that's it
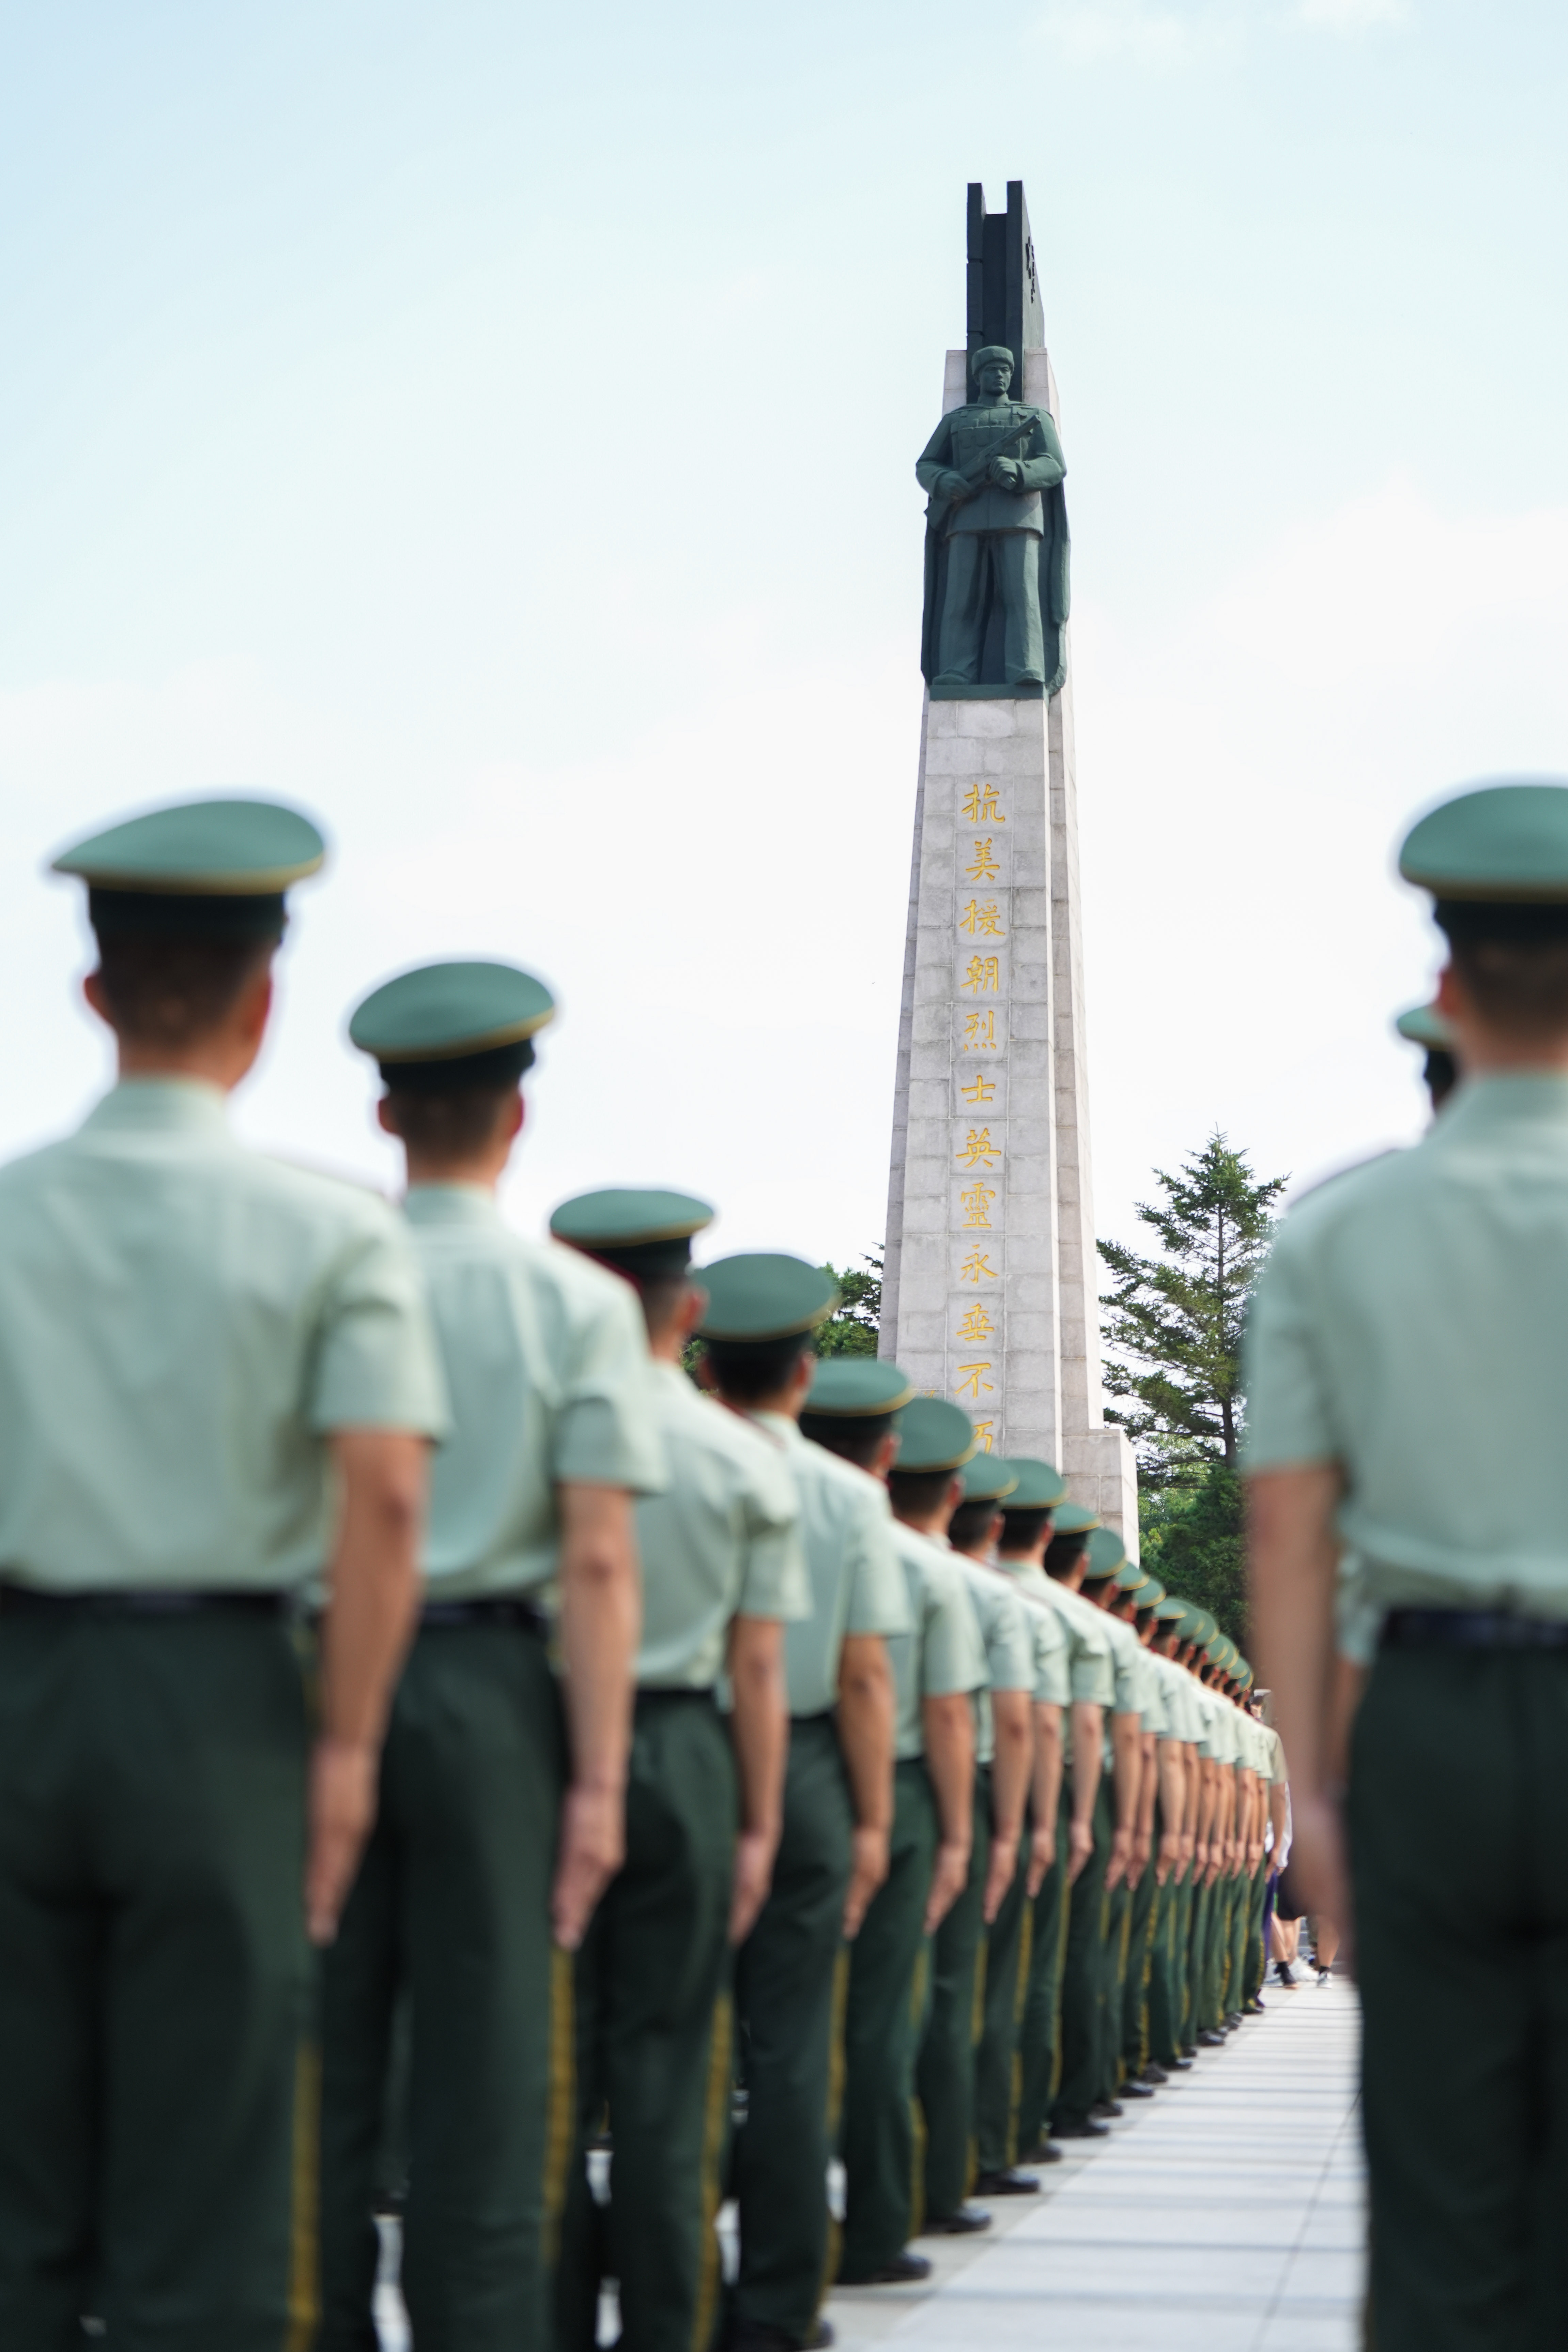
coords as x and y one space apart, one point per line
1080 1846
1042 1854
755 1851
341 1813
1317 1871
868 1849
1005 472
1120 1861
1170 1856
947 1883
593 1848
999 1876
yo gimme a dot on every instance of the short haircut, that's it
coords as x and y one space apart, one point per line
1514 962
919 1491
1062 1550
749 1369
853 1436
170 992
971 1523
448 1124
1022 1530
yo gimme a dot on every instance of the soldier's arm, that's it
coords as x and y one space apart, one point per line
1047 1791
948 1721
1088 1744
935 459
600 1620
373 1592
1293 1553
1126 1763
866 1722
759 1727
1011 1716
1148 1789
1172 1763
1042 466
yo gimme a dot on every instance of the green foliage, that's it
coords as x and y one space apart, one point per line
853 1330
1191 1538
1174 1322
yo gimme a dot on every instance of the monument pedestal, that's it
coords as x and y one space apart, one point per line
990 1295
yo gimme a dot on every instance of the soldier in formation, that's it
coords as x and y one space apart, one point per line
684 1782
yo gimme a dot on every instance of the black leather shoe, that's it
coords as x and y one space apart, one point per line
1044 2151
904 2270
1209 2040
1232 2020
1104 2108
1154 2072
964 2223
1189 2050
1087 2129
1133 2089
1183 2066
1253 2007
758 2335
1006 2184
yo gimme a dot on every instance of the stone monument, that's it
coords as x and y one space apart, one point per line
991 1292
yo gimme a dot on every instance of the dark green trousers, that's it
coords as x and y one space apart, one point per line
1164 1978
944 2071
154 2085
653 2044
1082 2075
1040 2042
1459 1861
1146 1910
1256 1962
1205 2007
785 1976
1241 1892
449 1926
998 2067
884 2016
1118 1932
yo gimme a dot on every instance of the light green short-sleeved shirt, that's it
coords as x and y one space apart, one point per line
1275 1766
182 1323
942 1654
1127 1665
1186 1717
1008 1638
1091 1679
722 1541
857 1584
1165 1716
547 1366
1409 1326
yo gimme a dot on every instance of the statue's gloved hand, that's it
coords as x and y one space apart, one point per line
950 484
1006 472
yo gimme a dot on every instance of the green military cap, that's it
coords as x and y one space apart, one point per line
451 1024
932 1434
1040 1487
850 1387
647 1235
1504 842
990 1479
1423 1025
1104 1554
1130 1576
1220 1651
1197 1625
765 1294
1069 1518
213 869
1170 1612
1150 1593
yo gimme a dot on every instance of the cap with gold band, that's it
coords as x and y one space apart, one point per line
1496 862
645 1235
1145 1592
932 1434
851 1388
763 1295
1423 1025
1103 1555
1040 1487
990 1479
1170 1611
453 1024
1071 1518
210 870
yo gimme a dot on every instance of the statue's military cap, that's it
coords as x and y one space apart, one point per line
1071 1518
647 1235
765 1294
212 869
453 1024
1423 1025
932 1434
990 1479
986 354
1103 1555
1040 1487
854 1387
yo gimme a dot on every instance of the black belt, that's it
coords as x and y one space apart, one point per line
32 1601
674 1694
502 1611
823 1715
1472 1629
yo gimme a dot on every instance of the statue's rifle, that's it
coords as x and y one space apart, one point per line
972 475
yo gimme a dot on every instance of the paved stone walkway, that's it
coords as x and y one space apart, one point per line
1224 2215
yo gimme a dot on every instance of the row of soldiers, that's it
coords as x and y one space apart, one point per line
383 1582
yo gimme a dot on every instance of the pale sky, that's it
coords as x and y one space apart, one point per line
493 427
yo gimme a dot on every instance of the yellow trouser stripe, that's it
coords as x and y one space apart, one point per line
715 2119
304 2202
560 2122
